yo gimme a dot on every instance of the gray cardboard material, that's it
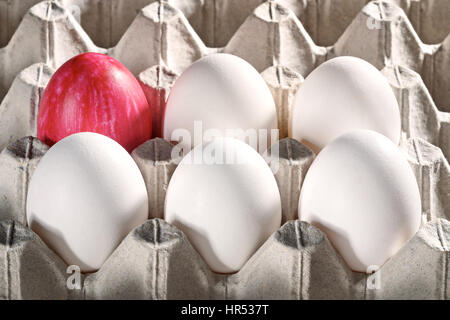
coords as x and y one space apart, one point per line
156 261
279 38
161 38
160 34
292 162
432 172
419 115
216 22
17 164
409 33
19 110
28 269
156 83
420 269
283 83
48 33
284 40
155 162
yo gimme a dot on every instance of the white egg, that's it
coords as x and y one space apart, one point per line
344 94
224 92
227 208
85 196
361 191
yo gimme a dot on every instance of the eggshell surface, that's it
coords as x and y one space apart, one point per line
223 92
226 210
85 196
361 191
344 94
96 93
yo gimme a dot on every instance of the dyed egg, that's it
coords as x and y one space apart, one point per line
361 191
95 93
224 197
220 92
344 94
85 196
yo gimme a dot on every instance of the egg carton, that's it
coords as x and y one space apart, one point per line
158 45
156 261
161 42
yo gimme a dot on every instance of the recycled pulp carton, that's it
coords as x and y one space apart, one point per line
284 40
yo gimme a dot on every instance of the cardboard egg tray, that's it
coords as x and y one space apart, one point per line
284 40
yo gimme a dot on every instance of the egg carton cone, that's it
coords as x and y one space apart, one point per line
48 33
432 173
154 159
156 83
20 107
17 164
284 40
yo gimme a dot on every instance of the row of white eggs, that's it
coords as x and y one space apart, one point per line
87 193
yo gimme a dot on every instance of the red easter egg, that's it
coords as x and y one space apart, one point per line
93 92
